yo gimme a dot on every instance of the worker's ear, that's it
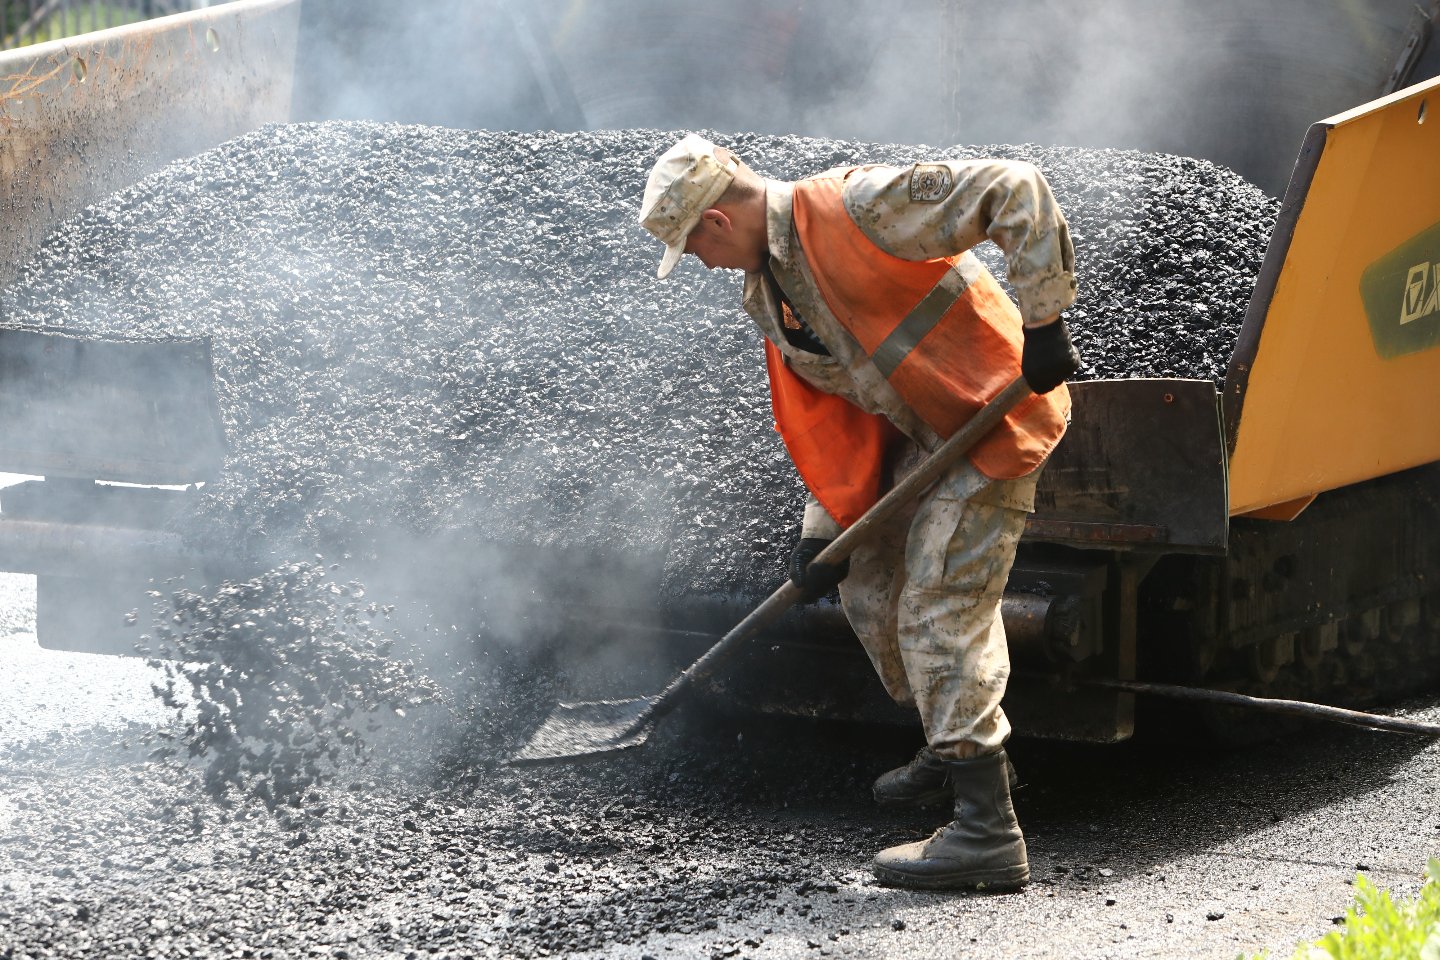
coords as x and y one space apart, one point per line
717 218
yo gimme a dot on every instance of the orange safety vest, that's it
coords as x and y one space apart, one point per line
946 355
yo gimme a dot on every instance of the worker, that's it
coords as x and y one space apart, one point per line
883 335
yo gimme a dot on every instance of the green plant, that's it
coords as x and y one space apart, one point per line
65 21
1378 928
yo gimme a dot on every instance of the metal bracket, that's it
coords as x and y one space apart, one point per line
1415 44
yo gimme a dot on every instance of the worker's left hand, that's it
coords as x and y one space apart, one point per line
815 579
1049 357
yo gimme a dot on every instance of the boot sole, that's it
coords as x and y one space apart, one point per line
997 881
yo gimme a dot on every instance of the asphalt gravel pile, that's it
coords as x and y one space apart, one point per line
417 328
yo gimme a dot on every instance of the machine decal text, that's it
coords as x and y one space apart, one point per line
1416 303
1401 294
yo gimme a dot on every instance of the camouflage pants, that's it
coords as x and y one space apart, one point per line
924 598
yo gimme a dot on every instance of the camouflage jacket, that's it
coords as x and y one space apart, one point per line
921 212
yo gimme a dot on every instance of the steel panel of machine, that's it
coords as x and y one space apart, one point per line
1142 466
1336 375
132 411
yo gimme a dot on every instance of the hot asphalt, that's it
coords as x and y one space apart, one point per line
725 837
416 328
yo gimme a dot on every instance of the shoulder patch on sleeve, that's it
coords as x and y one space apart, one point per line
930 182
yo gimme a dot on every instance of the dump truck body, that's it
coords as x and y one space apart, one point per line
86 116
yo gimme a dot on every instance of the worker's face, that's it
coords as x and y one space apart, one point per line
719 241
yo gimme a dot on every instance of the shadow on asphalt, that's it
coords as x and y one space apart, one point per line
1131 805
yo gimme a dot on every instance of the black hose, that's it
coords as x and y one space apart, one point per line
1296 708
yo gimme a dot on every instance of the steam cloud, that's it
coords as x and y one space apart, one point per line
1230 81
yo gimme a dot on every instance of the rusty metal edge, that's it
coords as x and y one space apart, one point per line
128 31
21 68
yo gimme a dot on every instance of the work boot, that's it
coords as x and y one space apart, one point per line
982 849
923 782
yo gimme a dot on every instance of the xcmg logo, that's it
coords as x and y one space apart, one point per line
1422 292
1401 292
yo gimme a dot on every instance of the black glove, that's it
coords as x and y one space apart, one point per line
1049 356
814 578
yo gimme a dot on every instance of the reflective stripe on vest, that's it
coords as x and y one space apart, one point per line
942 332
918 322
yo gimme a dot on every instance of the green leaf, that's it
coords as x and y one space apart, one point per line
1377 927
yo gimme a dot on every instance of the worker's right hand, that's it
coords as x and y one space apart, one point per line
1049 357
816 579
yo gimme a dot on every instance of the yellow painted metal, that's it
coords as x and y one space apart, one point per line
1283 511
1321 406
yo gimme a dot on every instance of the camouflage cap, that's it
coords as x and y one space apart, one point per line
684 183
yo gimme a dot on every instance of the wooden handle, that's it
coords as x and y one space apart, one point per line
861 530
944 457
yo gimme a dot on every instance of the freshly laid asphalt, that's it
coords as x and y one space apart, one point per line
724 837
